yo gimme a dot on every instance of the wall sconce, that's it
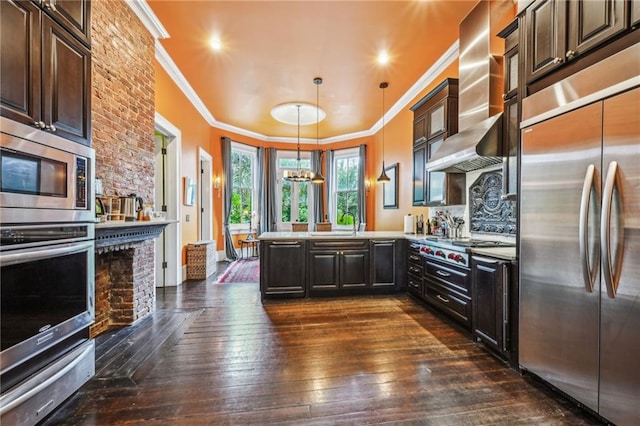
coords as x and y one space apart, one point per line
216 184
367 185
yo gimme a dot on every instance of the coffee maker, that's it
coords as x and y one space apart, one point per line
131 205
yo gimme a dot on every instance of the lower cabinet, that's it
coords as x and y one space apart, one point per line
331 267
337 266
448 288
414 270
282 268
492 303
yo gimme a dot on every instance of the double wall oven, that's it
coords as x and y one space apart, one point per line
47 271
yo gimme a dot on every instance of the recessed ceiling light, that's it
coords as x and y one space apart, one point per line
215 43
383 57
288 113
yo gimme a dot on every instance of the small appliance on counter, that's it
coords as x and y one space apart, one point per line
131 205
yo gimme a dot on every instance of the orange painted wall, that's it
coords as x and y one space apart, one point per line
177 109
398 148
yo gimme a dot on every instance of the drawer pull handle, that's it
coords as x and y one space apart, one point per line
414 258
444 299
443 274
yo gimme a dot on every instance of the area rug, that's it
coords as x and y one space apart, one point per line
242 271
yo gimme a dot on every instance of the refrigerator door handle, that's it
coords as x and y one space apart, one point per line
611 274
583 228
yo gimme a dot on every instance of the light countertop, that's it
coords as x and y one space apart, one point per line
504 253
364 235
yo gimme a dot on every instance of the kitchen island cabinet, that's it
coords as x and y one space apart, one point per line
282 268
311 264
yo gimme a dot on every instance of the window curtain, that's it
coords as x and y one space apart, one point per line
262 191
328 180
227 175
362 201
316 165
271 212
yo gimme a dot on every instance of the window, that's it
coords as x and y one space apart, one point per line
243 195
346 165
295 198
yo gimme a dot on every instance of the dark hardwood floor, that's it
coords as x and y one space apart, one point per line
214 354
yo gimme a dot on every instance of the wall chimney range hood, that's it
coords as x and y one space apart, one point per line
471 149
478 144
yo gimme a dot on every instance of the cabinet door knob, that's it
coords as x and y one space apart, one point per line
50 127
557 60
39 124
570 53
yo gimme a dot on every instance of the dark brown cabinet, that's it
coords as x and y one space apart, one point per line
415 270
73 15
559 31
335 266
282 268
448 288
511 121
46 72
386 263
490 302
435 118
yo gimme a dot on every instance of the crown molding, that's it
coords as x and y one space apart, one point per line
149 19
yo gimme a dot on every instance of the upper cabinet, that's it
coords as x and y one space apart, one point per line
435 119
511 108
559 31
46 66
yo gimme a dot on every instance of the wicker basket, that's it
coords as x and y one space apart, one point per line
299 227
323 226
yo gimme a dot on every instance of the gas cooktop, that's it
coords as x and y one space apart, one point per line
468 242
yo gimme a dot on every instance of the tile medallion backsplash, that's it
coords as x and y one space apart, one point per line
488 212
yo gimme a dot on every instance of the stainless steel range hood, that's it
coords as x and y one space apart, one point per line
471 149
478 144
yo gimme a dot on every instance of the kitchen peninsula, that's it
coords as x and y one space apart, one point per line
311 264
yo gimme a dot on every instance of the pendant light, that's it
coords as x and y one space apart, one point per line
318 178
298 175
383 176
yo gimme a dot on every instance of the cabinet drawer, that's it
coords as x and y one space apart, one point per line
459 308
414 269
414 284
339 245
449 276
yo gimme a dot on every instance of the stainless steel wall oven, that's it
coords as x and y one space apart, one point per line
47 271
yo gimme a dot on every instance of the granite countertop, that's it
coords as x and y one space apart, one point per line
341 234
504 253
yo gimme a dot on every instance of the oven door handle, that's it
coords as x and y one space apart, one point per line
33 255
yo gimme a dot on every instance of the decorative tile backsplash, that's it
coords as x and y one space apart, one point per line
488 212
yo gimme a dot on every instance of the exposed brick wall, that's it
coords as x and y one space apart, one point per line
123 105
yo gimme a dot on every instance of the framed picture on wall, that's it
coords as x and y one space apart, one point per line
189 191
390 189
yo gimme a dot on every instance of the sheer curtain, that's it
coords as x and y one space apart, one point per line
262 191
227 174
362 201
318 205
271 212
328 181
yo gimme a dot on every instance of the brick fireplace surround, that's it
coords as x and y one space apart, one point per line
123 107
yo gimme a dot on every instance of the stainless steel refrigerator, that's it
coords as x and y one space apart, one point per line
580 237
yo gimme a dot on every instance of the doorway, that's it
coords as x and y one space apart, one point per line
168 148
206 200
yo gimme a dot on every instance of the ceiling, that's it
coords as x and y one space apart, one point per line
272 50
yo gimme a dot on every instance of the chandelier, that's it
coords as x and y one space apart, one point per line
299 174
